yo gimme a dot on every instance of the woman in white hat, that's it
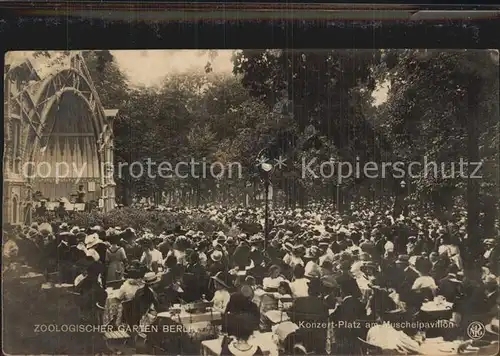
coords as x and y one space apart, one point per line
312 269
222 296
272 282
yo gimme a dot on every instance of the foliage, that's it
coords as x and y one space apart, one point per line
328 91
110 82
156 221
441 105
434 98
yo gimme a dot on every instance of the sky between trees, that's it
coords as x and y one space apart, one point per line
149 67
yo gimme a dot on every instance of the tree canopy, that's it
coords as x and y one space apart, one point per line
441 106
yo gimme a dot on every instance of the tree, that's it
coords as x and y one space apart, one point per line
110 82
327 89
441 106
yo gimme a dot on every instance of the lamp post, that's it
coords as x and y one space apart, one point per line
265 171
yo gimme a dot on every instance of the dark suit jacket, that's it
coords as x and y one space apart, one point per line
408 278
350 310
311 309
92 293
490 302
450 290
195 283
101 249
134 310
308 309
239 306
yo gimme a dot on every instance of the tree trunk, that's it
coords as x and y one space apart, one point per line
473 203
490 210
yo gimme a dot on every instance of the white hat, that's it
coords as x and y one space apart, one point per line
312 270
148 236
63 226
92 240
45 228
216 256
150 277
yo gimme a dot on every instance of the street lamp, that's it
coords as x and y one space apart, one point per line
265 169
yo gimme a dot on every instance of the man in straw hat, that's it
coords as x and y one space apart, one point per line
145 300
216 263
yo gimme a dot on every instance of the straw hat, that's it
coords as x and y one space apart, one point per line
312 270
216 256
490 279
329 281
45 229
150 277
63 226
288 247
247 291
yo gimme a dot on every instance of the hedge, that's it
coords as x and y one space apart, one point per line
156 221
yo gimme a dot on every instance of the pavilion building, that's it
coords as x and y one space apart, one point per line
57 137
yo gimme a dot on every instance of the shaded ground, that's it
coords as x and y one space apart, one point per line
26 306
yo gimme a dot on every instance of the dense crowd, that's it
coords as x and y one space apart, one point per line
318 265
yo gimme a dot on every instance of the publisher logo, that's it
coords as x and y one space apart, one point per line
476 330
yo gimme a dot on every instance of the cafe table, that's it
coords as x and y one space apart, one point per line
437 346
437 309
264 340
184 317
180 331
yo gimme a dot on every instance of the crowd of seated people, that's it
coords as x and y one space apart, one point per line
318 266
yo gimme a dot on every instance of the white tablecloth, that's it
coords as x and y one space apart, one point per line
432 307
263 340
187 318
